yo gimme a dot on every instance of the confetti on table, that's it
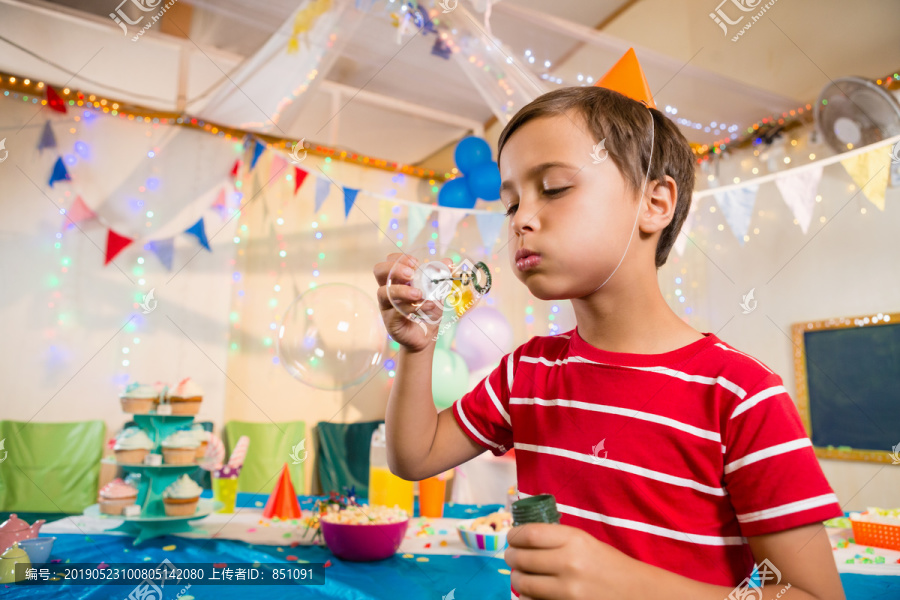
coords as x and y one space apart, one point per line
169 548
103 565
220 565
88 538
258 503
56 560
443 542
280 549
256 563
503 571
294 544
186 597
410 556
290 557
422 559
251 530
443 532
428 545
146 558
300 560
327 564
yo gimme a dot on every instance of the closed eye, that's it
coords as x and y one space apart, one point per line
511 210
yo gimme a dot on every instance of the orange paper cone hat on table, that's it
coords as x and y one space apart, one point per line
282 501
627 78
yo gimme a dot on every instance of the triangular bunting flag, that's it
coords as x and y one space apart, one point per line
686 227
349 199
384 218
323 186
78 212
299 177
164 251
198 231
737 205
489 227
54 101
799 192
278 167
59 172
870 173
115 243
627 78
258 148
418 215
236 168
48 140
219 204
448 220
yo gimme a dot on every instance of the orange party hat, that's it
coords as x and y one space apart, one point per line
627 78
283 501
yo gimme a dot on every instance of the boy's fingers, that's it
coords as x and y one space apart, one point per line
537 535
383 269
538 562
404 294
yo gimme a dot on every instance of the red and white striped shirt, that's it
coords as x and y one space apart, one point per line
674 458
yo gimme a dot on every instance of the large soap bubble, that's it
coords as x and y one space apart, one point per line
331 337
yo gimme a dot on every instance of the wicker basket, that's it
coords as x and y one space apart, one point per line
876 534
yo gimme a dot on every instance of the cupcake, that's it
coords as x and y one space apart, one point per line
185 397
115 496
139 399
132 445
202 436
180 448
180 498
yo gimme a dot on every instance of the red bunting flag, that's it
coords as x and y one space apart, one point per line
236 168
78 212
299 177
54 101
115 243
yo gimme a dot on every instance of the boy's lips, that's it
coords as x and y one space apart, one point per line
527 259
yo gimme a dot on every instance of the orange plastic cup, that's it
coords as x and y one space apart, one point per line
431 496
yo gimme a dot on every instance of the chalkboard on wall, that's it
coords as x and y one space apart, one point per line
848 386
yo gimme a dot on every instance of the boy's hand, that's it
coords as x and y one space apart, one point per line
558 562
414 335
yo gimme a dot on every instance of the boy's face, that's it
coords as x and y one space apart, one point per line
576 212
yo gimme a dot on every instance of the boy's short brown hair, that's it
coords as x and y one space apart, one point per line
623 123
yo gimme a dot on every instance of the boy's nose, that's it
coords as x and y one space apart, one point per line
525 222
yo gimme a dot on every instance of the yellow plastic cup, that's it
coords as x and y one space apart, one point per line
225 491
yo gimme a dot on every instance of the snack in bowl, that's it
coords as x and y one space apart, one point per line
132 445
180 448
115 496
363 533
487 533
181 497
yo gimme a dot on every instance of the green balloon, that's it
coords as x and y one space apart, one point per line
449 332
449 378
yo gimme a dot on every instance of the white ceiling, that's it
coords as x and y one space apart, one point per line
780 63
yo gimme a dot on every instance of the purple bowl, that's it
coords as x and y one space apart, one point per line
363 542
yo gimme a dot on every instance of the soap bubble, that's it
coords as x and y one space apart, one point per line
331 337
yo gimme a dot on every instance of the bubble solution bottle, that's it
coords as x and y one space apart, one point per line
385 488
534 509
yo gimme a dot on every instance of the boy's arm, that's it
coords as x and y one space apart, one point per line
421 442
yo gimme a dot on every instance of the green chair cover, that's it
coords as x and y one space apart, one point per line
343 455
50 467
271 446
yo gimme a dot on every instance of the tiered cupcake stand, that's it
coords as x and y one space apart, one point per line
153 522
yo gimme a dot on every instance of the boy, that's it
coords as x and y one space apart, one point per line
704 468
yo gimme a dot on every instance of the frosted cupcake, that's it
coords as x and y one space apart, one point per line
115 496
202 436
132 445
185 397
139 398
180 498
180 448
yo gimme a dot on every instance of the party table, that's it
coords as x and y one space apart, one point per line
431 563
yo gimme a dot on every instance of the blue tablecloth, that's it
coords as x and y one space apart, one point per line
396 578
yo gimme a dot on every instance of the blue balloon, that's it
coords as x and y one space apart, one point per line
471 152
455 194
484 181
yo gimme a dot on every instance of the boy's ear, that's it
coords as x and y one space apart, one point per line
658 205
